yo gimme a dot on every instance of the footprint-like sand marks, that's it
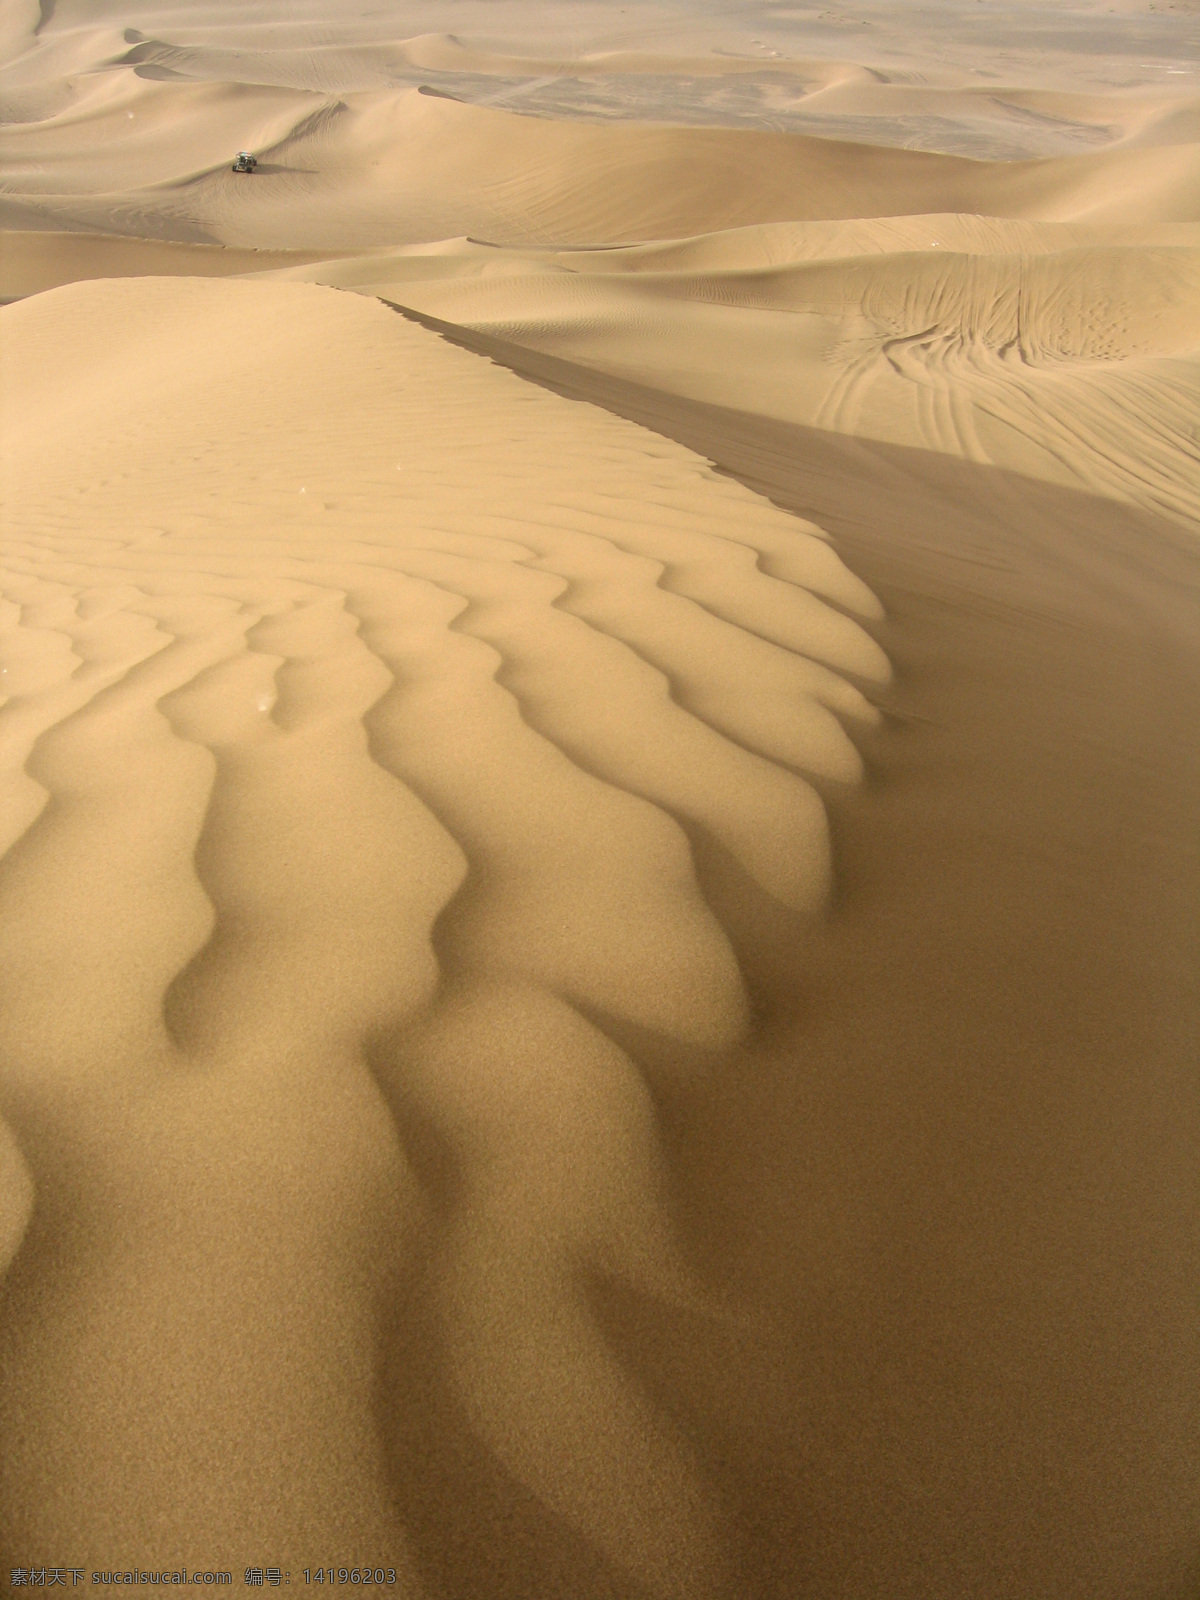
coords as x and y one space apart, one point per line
358 797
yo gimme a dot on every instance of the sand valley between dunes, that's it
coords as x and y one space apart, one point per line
600 797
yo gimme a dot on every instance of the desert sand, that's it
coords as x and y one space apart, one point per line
599 797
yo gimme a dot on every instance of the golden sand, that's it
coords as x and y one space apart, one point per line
598 801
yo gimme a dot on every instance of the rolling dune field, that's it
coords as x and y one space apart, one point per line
599 797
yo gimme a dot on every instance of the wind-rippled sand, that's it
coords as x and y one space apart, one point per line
353 734
598 798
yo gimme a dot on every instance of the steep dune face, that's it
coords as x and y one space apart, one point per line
355 730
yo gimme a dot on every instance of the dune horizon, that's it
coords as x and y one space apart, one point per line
600 803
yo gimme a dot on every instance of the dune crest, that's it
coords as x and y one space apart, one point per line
1041 347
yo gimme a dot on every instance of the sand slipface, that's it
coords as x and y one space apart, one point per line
598 797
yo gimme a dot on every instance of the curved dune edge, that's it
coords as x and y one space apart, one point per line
359 712
1069 353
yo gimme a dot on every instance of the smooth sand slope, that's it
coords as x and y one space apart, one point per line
31 261
599 797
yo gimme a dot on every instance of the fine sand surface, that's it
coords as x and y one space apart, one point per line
599 797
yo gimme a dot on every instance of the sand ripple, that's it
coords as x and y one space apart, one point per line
363 707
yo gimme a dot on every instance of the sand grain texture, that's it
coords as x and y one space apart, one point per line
329 791
598 797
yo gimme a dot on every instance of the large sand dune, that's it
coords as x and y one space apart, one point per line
355 690
598 797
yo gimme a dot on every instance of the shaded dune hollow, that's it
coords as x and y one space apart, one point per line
364 710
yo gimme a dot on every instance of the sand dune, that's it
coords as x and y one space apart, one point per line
1031 346
598 796
31 261
402 657
403 165
595 63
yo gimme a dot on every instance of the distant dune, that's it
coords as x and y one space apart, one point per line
151 156
599 667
